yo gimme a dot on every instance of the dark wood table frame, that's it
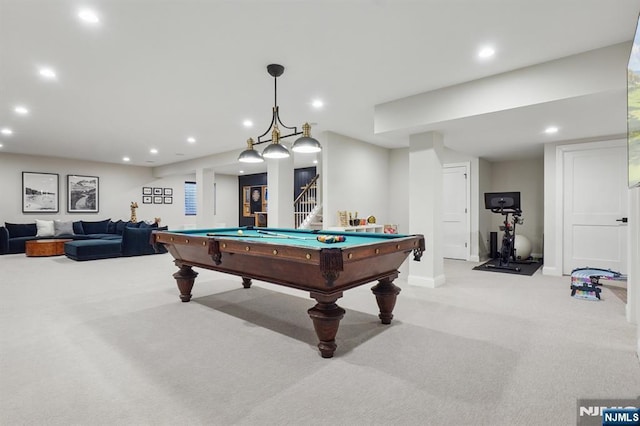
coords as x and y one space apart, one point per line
324 272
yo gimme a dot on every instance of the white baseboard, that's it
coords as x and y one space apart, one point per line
426 281
551 270
475 258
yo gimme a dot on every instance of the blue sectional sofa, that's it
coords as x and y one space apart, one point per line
91 240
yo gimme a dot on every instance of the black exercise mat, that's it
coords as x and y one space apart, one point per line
525 268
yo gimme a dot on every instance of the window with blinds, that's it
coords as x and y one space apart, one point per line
190 197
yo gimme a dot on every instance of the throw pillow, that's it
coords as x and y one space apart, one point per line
21 229
62 228
120 227
45 228
77 228
99 227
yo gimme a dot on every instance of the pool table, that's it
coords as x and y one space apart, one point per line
296 258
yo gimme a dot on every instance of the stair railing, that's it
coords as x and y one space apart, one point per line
304 204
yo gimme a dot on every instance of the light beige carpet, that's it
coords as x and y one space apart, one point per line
108 342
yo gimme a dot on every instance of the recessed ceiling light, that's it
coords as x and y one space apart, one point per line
0 145
6 131
486 52
551 130
317 103
126 159
88 16
47 73
241 171
247 123
315 161
153 151
191 140
21 110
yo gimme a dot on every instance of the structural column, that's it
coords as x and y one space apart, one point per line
205 215
425 206
280 192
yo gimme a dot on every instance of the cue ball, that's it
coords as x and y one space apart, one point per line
239 231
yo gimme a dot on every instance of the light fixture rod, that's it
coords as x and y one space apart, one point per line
276 70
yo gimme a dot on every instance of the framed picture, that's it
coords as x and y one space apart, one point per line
157 199
157 191
168 192
256 199
40 192
82 194
146 199
168 200
147 190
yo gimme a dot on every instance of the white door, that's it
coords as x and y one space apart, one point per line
595 201
455 213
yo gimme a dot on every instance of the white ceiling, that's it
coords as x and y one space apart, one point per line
154 72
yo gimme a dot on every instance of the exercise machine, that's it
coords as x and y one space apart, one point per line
506 203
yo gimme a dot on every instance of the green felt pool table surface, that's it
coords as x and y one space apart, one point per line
295 237
295 258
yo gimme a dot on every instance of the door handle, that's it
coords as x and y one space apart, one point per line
623 220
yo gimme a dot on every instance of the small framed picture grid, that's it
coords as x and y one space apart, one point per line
151 195
168 195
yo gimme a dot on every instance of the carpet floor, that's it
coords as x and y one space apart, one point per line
108 342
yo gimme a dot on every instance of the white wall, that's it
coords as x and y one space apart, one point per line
596 71
227 200
119 186
633 277
354 178
633 281
527 177
480 182
399 189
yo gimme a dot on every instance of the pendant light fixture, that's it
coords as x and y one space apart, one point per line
304 144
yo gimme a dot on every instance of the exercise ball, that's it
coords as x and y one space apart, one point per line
522 246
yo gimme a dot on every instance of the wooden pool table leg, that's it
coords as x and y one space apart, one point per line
185 278
386 293
326 316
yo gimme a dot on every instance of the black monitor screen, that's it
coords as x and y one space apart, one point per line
505 200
